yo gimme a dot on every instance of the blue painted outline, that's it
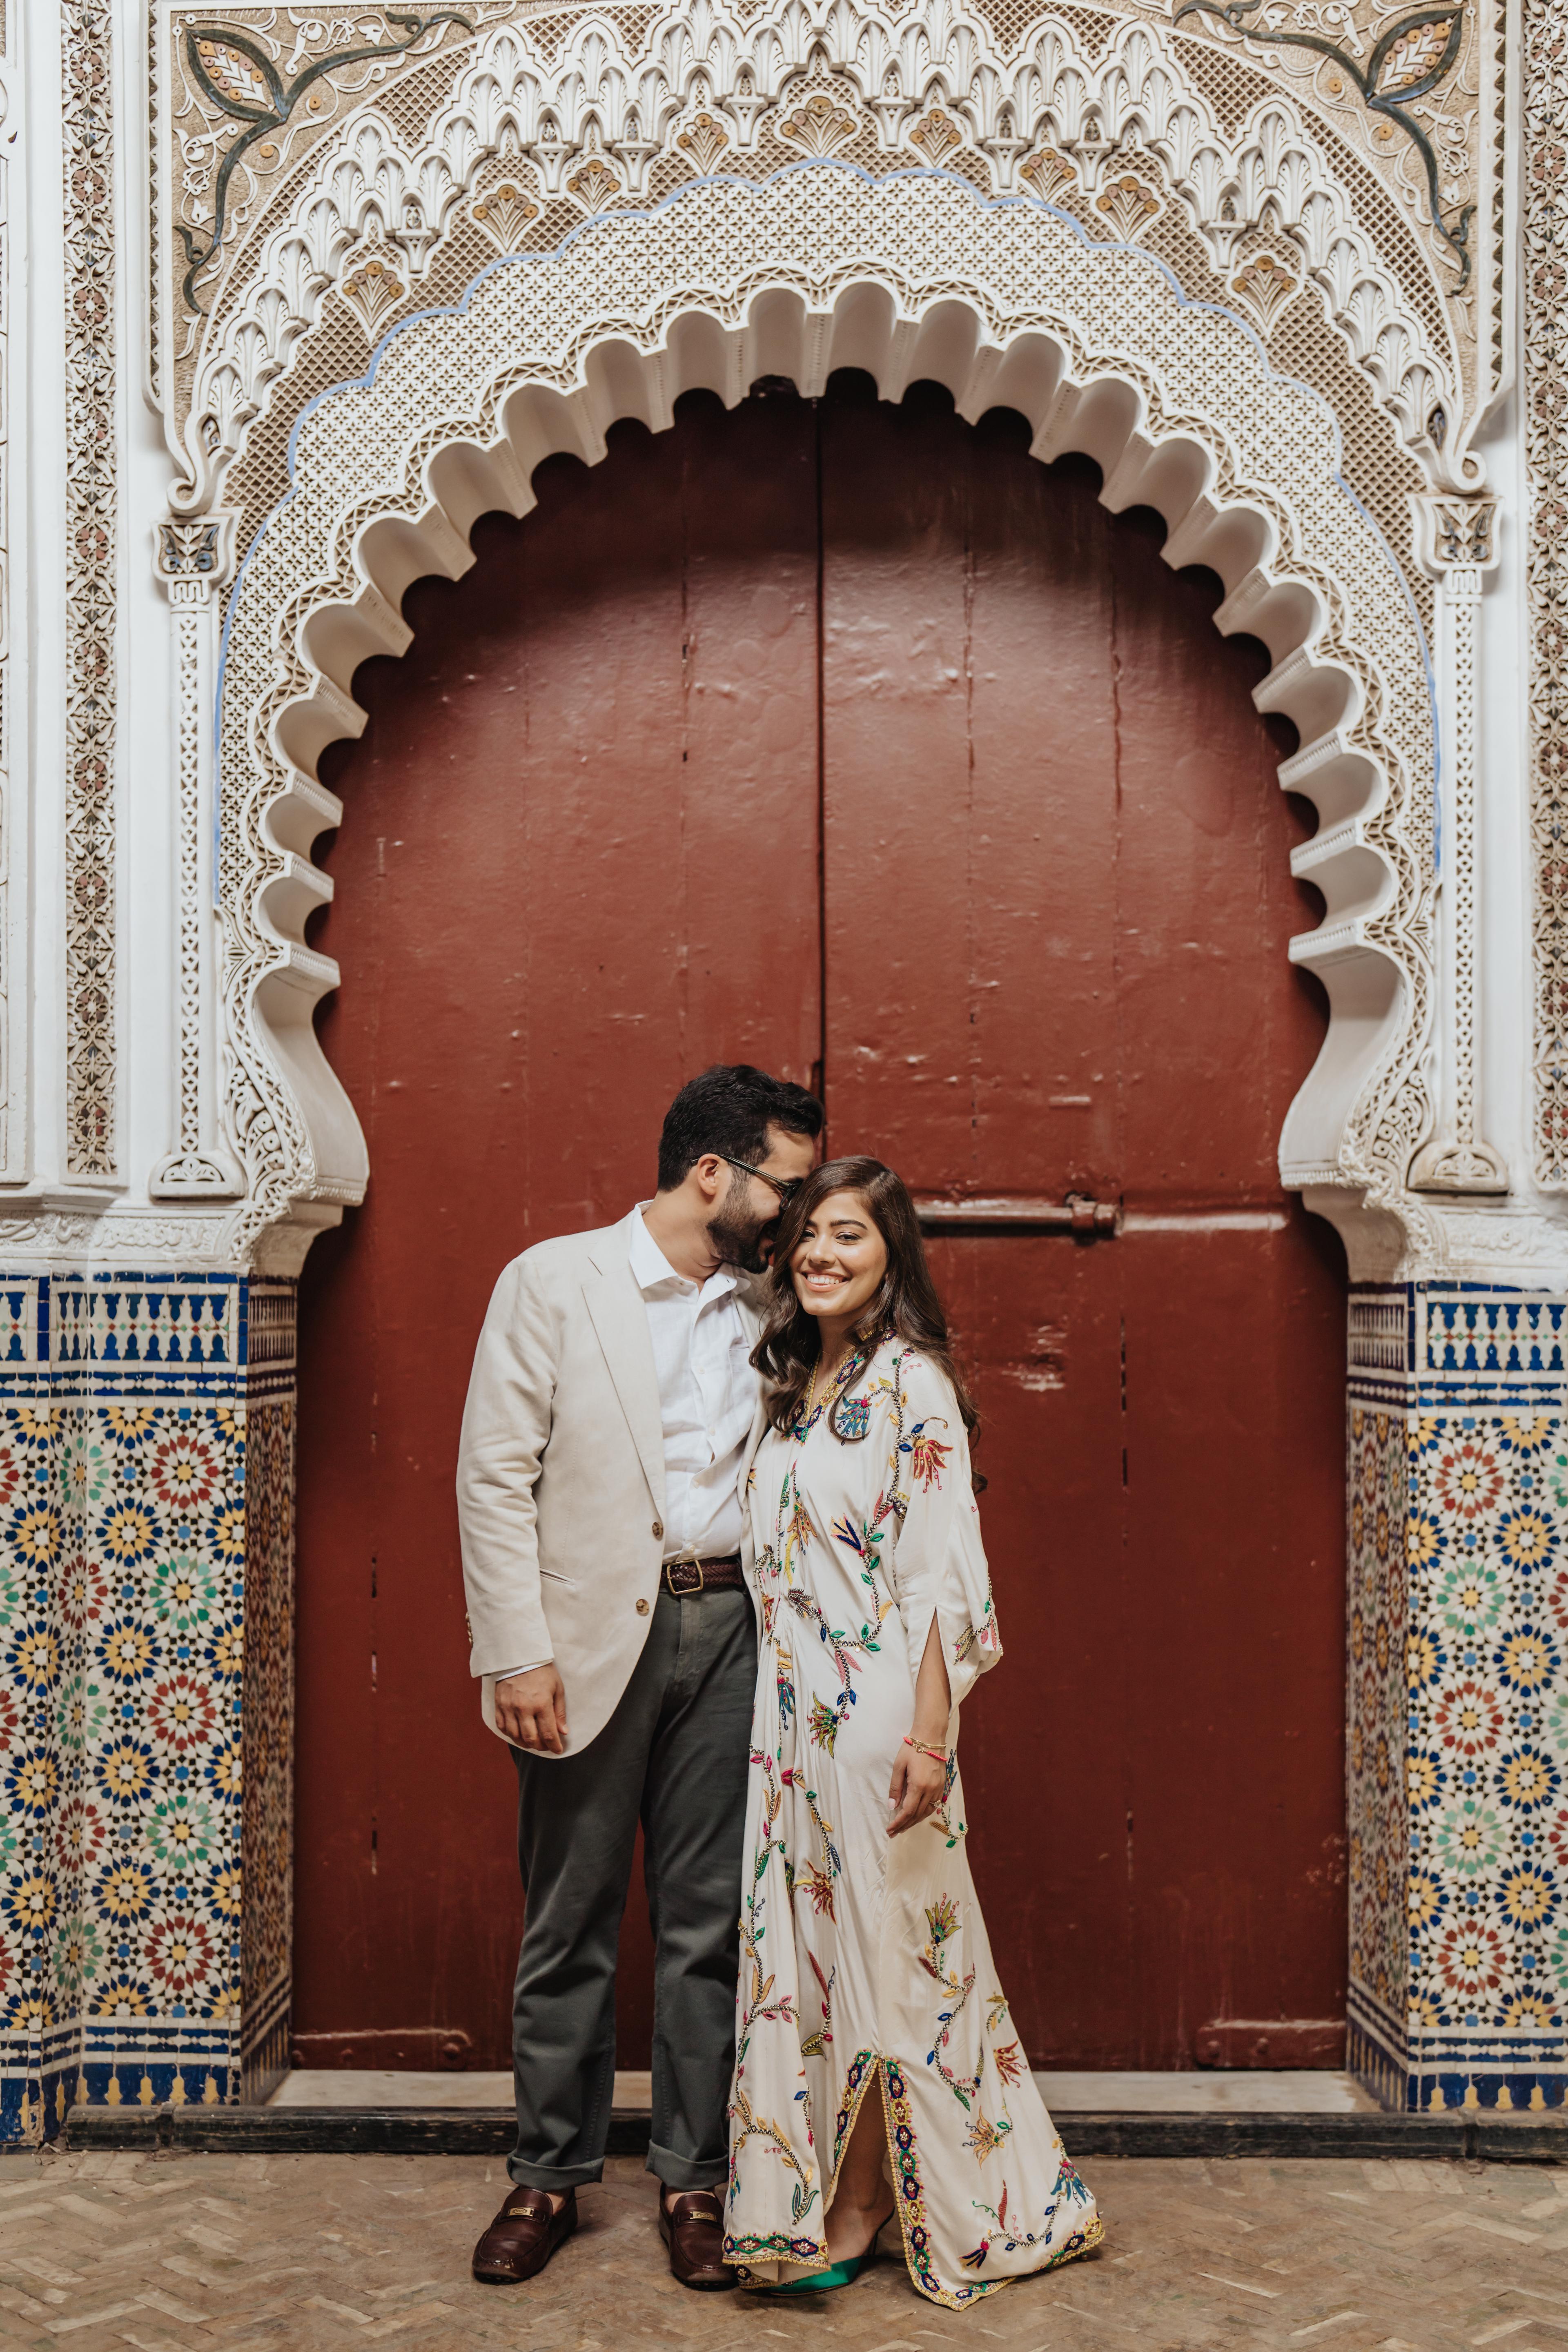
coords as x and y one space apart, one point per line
874 181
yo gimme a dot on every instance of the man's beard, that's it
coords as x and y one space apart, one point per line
738 1238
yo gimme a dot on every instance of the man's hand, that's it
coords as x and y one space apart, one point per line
531 1710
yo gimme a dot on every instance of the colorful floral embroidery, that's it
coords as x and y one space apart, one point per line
760 2004
984 2137
849 2106
912 2202
1009 2059
848 1371
1011 2238
941 1919
823 1869
853 1419
744 2125
774 2248
816 2045
927 1454
859 1547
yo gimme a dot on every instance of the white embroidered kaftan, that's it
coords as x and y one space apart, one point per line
858 1950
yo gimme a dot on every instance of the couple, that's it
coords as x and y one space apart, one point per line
725 1579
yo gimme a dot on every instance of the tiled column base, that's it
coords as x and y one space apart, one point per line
1457 1698
146 1464
266 1925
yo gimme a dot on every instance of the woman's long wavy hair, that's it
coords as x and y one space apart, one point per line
906 1305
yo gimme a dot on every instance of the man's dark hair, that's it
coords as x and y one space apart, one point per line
729 1109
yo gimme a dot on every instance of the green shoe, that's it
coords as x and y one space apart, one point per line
843 2273
818 2281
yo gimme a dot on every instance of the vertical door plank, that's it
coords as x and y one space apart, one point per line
1235 1341
546 920
895 789
748 810
969 742
1153 1777
1042 839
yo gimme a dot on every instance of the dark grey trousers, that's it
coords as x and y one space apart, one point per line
673 1754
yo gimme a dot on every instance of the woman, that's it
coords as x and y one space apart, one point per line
869 2020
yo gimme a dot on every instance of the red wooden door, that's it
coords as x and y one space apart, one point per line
1057 897
552 822
851 737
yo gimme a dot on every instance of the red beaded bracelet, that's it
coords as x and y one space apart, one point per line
937 1755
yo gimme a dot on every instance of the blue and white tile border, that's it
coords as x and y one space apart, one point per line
146 1491
1457 1697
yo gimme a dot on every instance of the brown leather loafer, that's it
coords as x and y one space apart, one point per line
691 2224
523 2237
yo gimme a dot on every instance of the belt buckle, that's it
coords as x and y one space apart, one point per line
683 1589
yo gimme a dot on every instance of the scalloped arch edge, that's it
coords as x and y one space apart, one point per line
1103 417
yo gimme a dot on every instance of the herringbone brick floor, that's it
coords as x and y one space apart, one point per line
253 2254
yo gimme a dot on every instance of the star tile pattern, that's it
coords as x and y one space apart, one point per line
146 1502
1456 1699
146 1495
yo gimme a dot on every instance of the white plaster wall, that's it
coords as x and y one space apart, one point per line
33 1185
1524 1239
13 824
36 681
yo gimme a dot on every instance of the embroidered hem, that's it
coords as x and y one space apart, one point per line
910 2207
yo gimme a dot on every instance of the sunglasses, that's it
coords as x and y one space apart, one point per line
787 1187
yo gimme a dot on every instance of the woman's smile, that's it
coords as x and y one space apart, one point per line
838 1262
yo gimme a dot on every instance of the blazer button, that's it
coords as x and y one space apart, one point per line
658 1527
642 1608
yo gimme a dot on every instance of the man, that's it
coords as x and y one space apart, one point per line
599 1493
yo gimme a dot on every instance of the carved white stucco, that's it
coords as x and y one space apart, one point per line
609 91
390 474
1039 121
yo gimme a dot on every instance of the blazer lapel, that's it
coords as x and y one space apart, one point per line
620 1319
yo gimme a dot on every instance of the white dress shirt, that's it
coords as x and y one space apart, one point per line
707 1396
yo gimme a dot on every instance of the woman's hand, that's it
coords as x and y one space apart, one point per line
916 1789
919 1779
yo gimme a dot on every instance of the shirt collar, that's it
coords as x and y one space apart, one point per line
650 1266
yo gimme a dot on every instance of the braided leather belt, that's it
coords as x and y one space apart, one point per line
686 1577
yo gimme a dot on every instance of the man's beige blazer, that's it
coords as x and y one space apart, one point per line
561 1475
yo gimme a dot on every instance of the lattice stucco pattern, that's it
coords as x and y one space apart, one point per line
599 114
193 559
193 913
1259 280
87 49
1458 547
1382 156
1545 392
362 452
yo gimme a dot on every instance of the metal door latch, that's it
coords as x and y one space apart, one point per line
1090 1216
1016 1213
